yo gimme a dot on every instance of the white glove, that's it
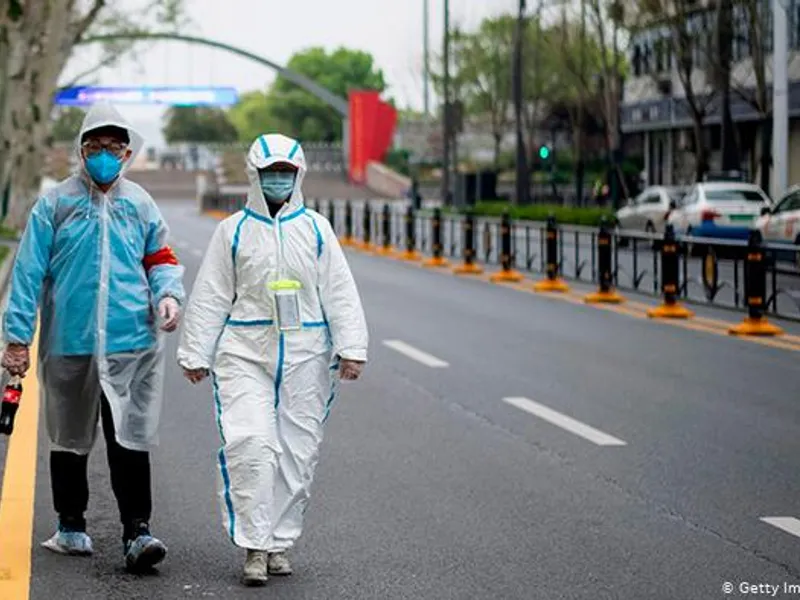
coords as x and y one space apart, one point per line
170 312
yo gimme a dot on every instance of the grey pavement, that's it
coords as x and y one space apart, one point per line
431 486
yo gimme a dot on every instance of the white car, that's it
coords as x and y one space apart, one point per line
648 211
719 210
781 224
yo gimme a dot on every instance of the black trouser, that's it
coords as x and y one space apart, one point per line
130 481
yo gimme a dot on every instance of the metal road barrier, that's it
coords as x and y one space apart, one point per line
710 271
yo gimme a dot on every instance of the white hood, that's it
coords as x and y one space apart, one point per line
101 115
268 150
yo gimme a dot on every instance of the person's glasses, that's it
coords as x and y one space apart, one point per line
114 146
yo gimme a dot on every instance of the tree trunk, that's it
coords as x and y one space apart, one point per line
730 150
700 152
34 52
577 133
498 141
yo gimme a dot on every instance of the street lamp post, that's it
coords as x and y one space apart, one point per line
523 190
780 102
426 55
446 116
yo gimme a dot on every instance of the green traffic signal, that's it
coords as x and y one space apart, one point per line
544 152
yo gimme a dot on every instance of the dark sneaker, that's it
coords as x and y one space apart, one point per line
143 551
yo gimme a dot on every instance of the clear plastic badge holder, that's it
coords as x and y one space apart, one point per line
287 304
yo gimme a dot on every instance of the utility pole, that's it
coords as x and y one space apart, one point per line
523 189
780 99
426 53
446 113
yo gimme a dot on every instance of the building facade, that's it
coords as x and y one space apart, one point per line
655 115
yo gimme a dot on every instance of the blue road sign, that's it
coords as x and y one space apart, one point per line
174 96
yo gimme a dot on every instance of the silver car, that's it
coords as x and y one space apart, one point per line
648 211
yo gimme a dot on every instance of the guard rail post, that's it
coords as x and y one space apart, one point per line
332 213
552 281
366 223
605 293
755 284
410 253
670 308
348 239
437 260
468 231
507 273
385 248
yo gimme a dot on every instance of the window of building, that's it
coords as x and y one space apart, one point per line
636 60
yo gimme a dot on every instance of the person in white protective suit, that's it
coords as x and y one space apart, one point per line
275 317
94 258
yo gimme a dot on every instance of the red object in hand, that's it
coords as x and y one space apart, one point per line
11 397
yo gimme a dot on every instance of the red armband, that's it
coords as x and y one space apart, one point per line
165 256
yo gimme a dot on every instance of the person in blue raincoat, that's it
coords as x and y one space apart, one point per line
94 260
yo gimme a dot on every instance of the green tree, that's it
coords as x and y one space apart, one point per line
485 60
300 114
580 64
198 124
67 124
252 116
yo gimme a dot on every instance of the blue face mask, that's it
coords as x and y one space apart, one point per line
103 167
276 185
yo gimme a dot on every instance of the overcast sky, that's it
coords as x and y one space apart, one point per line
391 30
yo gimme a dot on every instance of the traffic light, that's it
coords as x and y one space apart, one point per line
544 152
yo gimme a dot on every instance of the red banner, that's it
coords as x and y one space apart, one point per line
372 124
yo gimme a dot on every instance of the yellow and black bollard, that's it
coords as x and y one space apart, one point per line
755 323
437 260
670 308
553 281
348 239
410 253
385 249
366 224
606 293
507 273
469 267
332 213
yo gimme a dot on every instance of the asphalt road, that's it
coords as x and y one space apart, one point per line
432 486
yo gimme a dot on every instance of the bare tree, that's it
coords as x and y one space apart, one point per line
540 80
755 91
574 58
606 18
37 38
721 72
688 45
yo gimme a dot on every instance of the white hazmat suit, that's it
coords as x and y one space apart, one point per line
273 390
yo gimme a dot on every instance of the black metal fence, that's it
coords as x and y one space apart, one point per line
712 271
